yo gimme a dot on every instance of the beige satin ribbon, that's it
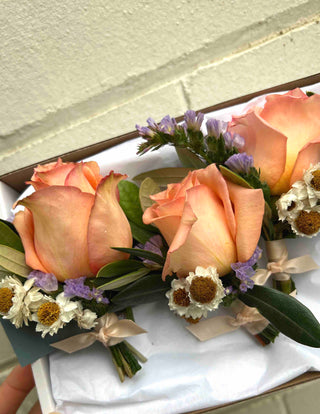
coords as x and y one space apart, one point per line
109 331
280 267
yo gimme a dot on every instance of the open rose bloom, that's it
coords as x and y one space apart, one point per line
207 221
283 137
72 220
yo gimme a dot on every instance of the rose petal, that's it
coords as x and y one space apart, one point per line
61 216
108 225
23 222
299 120
203 238
309 154
249 207
92 172
77 178
55 176
267 145
212 178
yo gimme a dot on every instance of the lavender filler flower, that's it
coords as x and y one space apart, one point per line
154 245
216 127
76 287
240 163
244 270
193 121
45 281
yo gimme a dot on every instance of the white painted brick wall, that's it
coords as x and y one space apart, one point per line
74 73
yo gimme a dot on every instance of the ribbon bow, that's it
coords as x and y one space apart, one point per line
279 266
109 331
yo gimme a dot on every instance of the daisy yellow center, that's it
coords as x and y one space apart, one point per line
308 222
203 289
180 297
48 313
315 182
6 296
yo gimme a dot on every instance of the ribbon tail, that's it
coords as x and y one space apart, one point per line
212 327
300 264
75 343
261 276
123 329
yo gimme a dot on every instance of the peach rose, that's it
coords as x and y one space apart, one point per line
83 175
68 230
283 137
207 221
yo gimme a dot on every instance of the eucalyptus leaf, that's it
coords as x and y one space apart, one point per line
125 279
164 176
233 177
189 158
13 261
148 187
130 203
286 313
9 237
119 268
145 290
146 254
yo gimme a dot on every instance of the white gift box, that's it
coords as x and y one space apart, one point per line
182 374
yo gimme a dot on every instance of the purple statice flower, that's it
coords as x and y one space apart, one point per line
45 281
154 245
240 163
244 270
76 287
167 125
144 132
193 121
215 127
229 290
238 141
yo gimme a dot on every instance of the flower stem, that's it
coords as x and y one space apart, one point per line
135 352
285 286
268 335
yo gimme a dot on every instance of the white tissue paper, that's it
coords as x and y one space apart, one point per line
182 374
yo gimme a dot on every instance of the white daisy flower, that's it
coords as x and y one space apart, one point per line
291 203
307 222
311 178
85 318
52 314
206 290
18 300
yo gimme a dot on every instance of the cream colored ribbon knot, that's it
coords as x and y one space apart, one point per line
109 331
279 266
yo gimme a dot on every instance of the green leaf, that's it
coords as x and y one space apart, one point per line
141 234
164 176
14 261
119 268
125 279
9 237
130 203
286 313
189 159
9 225
233 177
147 188
146 254
145 290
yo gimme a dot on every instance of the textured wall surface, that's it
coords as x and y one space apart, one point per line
75 73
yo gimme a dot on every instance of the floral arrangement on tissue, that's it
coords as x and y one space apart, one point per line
88 248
